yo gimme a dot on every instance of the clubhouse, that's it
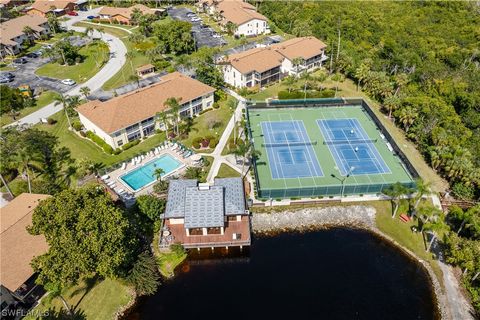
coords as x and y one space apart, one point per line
199 215
132 116
261 66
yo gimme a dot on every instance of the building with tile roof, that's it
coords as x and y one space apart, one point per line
202 215
18 247
243 15
58 7
12 36
260 66
124 15
133 115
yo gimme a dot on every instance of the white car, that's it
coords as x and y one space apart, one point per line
68 82
195 19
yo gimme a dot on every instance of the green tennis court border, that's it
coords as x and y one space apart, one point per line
308 111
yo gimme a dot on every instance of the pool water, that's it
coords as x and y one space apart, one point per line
145 175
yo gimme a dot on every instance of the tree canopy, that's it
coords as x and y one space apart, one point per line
87 235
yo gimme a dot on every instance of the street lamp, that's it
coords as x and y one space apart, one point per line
342 180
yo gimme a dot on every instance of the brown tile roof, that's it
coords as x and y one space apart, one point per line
258 59
125 110
238 12
125 12
18 247
263 59
46 5
14 27
305 47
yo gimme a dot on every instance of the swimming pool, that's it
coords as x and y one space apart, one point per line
145 175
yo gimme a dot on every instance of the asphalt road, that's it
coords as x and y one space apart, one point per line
117 60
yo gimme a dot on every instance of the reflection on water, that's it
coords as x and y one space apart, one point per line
331 274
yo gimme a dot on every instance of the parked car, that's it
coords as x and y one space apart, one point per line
72 13
8 75
195 19
92 17
32 55
47 46
68 82
5 79
38 52
20 61
190 14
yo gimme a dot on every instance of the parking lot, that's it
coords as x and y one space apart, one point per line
25 74
204 35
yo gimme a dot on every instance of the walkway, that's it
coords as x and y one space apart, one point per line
218 159
115 63
458 305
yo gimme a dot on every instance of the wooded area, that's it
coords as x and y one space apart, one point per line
419 59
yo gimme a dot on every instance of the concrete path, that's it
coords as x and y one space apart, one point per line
218 159
114 64
458 306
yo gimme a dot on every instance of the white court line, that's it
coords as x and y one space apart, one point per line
270 162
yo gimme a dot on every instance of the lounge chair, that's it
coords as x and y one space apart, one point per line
105 177
124 166
112 186
156 151
110 183
120 191
133 162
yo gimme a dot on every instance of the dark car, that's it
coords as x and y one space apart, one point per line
92 17
5 79
20 61
8 75
32 55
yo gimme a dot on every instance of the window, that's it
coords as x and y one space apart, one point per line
185 113
134 136
132 128
148 130
197 109
120 143
116 134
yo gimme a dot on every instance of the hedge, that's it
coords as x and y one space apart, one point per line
213 143
130 144
328 93
106 147
77 125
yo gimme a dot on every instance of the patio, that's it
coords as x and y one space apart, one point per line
112 180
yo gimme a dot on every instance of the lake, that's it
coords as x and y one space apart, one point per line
331 274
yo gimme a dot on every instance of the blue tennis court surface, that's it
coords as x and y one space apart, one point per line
289 150
351 147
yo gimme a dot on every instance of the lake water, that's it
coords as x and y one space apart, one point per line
332 274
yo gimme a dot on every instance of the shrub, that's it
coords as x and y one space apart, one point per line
161 186
196 142
212 143
117 151
216 105
130 144
177 248
51 121
327 93
82 133
77 125
99 141
205 110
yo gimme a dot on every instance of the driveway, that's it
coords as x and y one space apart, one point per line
114 64
203 35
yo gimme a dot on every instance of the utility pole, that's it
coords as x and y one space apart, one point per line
331 58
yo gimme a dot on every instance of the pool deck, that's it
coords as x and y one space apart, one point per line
120 184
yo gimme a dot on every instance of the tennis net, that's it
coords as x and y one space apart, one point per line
350 141
290 144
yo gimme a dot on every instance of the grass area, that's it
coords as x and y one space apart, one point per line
347 88
96 55
403 234
45 98
98 300
85 148
167 261
226 171
123 75
211 123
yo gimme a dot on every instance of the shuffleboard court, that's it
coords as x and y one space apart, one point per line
289 151
354 152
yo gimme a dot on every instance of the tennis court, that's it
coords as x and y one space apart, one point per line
309 151
289 151
354 152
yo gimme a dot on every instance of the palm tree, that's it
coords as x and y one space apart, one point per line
401 81
246 151
395 192
89 31
72 103
29 32
296 64
434 226
391 103
85 91
289 82
173 104
101 31
423 188
136 78
158 173
361 74
407 117
63 100
426 213
24 165
163 117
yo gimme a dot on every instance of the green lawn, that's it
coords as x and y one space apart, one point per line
96 55
203 123
100 302
45 98
226 171
123 75
85 148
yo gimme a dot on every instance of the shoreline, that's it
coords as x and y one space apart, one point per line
356 217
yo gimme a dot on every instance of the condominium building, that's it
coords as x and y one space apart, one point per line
260 66
132 116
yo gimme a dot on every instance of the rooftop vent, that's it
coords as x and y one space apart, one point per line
203 186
